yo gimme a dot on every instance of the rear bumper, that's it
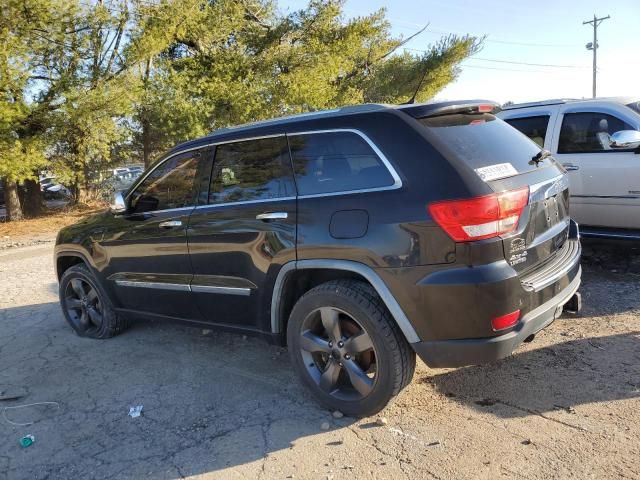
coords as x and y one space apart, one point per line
461 352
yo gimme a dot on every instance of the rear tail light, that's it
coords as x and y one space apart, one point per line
481 217
505 321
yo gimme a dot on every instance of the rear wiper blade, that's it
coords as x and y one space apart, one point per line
540 156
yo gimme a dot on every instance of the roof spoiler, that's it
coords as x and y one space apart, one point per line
449 108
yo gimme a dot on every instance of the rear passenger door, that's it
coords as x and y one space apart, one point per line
605 182
345 198
243 231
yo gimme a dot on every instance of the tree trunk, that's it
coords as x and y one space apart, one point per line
12 202
33 204
146 143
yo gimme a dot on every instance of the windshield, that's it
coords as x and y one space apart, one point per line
482 140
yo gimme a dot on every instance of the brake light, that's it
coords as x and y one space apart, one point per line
505 321
481 217
486 108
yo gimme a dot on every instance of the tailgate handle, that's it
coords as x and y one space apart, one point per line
570 167
272 216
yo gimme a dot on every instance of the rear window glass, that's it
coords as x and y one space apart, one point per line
480 140
333 162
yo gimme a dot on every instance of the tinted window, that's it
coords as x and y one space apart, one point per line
533 127
635 106
336 162
588 132
251 170
480 140
171 185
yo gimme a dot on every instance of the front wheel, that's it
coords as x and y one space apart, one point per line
86 306
347 348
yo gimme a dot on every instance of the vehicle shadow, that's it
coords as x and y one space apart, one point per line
557 377
210 401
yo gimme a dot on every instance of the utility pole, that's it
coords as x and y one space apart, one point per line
594 46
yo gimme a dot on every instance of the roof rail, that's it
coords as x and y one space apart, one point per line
541 103
366 107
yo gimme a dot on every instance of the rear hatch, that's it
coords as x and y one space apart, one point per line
503 159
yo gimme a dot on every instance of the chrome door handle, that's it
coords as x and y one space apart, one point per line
170 224
570 167
272 216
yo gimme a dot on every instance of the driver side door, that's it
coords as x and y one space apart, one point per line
149 270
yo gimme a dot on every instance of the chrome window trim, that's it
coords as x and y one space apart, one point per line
397 181
187 150
244 202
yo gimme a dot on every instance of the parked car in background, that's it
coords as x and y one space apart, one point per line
598 142
52 190
358 236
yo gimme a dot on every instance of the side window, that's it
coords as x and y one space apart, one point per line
170 185
533 127
336 162
251 170
588 132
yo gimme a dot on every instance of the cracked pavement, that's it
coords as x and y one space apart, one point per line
220 406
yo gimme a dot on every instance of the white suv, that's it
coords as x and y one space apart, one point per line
598 142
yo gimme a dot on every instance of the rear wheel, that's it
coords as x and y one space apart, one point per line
348 349
86 306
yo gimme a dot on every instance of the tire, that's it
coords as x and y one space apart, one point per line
359 313
86 306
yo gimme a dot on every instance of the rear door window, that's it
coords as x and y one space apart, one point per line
331 162
589 132
251 170
481 140
533 127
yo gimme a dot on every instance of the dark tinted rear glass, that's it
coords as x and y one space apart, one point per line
480 140
336 162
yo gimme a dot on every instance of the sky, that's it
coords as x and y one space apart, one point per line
542 32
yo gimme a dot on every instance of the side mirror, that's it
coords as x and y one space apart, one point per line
118 205
625 139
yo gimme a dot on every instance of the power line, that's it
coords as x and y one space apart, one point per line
512 62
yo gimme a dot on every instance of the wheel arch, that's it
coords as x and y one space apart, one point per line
286 290
66 259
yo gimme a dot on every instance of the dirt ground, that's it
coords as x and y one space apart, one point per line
220 406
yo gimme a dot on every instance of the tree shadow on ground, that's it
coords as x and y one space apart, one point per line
557 377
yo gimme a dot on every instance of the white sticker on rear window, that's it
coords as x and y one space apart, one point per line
493 172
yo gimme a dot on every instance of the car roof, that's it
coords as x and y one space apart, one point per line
258 128
559 101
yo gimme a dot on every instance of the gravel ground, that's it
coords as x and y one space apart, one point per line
223 406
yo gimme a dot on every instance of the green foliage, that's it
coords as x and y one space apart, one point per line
84 84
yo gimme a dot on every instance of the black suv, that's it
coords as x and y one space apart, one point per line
357 236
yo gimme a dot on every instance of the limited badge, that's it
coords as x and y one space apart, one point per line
494 172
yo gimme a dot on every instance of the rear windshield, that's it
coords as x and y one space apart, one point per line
635 106
482 140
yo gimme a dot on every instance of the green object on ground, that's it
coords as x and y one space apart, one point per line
27 441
